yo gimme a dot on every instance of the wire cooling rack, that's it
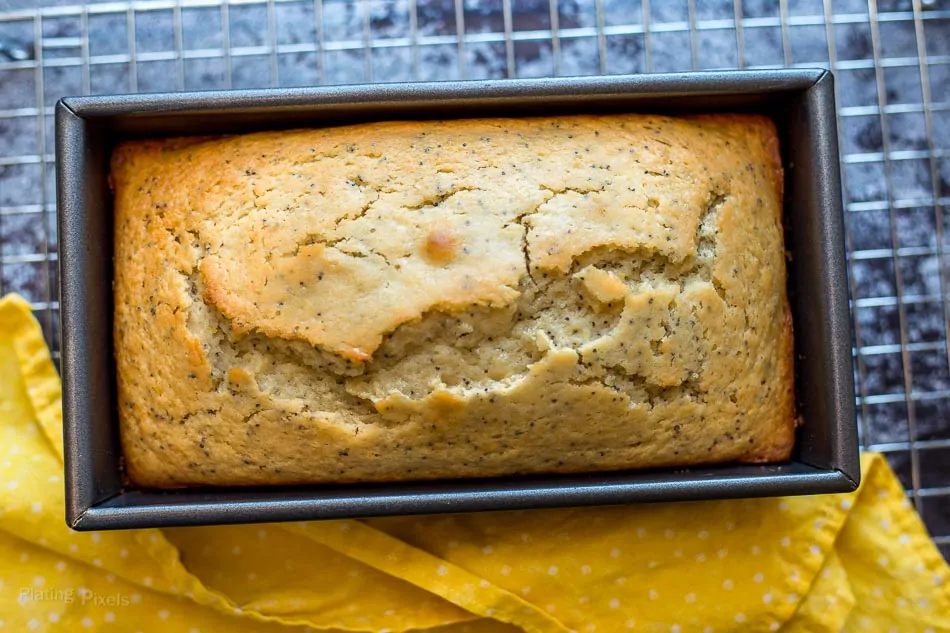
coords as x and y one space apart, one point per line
891 60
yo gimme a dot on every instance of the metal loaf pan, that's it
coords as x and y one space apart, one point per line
800 101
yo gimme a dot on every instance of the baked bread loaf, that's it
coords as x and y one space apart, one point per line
440 299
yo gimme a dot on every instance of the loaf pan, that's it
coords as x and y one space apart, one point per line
801 102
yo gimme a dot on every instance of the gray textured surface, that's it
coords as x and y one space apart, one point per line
895 142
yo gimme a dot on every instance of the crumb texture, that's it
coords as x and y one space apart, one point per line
450 299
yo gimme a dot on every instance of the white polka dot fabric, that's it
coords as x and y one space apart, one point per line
858 562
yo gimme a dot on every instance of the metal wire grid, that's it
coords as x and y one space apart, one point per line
902 358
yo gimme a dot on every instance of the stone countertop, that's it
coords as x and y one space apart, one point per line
902 342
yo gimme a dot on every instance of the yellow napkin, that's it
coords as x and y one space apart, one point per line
856 562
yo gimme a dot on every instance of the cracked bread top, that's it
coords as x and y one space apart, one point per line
451 298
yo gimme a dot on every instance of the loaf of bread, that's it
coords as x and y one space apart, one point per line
442 299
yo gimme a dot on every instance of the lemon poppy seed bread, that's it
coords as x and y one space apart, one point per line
420 300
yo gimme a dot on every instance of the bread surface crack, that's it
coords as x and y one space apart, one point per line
552 305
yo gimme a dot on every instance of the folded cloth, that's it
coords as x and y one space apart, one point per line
855 562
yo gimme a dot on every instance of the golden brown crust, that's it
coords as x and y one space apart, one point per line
447 299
